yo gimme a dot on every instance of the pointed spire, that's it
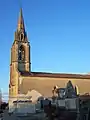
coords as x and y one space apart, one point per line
21 21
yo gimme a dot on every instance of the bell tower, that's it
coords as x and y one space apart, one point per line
20 57
20 51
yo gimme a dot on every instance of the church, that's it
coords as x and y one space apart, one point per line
22 79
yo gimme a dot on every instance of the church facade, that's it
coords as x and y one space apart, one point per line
22 79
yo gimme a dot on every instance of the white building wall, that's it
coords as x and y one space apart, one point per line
71 103
26 107
61 103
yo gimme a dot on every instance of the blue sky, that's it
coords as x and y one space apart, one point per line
58 31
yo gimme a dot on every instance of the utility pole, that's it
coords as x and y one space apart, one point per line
0 97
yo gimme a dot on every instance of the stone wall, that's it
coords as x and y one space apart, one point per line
44 85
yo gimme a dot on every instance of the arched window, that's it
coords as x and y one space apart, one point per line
21 53
21 36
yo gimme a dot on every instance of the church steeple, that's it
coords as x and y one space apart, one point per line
20 56
20 34
21 25
20 51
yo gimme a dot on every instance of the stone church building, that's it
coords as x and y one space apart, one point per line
22 79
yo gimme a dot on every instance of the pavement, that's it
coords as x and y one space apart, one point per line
6 116
38 116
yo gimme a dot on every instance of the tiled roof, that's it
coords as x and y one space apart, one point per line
55 75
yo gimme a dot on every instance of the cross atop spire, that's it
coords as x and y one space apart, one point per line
21 21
